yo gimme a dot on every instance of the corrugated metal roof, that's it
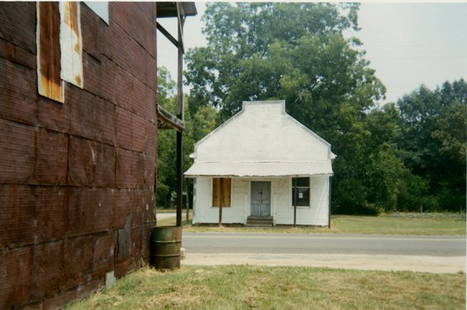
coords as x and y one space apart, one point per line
258 169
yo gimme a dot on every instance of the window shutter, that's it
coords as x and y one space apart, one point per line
59 48
226 192
216 192
221 192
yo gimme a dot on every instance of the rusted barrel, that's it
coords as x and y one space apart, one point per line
165 247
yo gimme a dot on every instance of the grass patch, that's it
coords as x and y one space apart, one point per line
166 210
172 221
396 223
259 287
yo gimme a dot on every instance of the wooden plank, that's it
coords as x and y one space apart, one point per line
48 52
216 192
166 120
167 34
226 192
179 177
179 133
180 108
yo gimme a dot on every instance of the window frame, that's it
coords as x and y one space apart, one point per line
306 187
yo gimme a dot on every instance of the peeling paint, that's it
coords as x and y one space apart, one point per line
71 43
78 79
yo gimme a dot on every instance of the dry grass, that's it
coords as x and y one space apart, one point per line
399 224
257 287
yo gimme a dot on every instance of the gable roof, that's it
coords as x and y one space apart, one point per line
261 140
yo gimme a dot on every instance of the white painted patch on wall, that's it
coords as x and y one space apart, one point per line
71 43
101 8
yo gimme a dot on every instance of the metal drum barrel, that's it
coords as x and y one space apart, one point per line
165 247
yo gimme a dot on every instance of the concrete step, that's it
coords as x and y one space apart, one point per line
260 218
259 221
258 225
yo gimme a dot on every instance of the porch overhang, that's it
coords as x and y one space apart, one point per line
259 169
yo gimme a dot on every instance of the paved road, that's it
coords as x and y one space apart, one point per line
225 242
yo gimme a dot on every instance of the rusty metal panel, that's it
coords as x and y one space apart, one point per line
48 51
71 43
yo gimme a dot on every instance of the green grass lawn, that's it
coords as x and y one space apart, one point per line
257 287
396 223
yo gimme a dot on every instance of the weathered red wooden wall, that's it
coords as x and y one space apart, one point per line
76 179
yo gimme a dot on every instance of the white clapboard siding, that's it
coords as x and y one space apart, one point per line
262 143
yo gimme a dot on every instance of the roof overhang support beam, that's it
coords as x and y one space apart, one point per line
170 37
166 120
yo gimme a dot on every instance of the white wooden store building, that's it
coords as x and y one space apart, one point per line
255 163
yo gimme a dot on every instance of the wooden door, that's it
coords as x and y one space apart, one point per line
260 198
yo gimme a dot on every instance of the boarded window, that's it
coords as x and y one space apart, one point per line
301 192
59 48
221 192
48 51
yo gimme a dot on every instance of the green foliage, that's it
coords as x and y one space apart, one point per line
433 138
198 123
252 56
409 156
305 60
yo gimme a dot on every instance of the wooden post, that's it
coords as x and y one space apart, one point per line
294 185
329 203
181 117
221 200
187 201
220 215
179 178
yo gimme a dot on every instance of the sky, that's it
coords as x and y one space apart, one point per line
408 44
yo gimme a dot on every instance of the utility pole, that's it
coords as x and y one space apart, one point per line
181 21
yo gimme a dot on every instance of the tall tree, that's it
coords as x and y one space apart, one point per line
198 123
296 52
433 138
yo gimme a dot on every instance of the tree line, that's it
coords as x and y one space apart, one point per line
403 156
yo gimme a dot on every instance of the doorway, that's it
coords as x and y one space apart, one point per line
260 198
